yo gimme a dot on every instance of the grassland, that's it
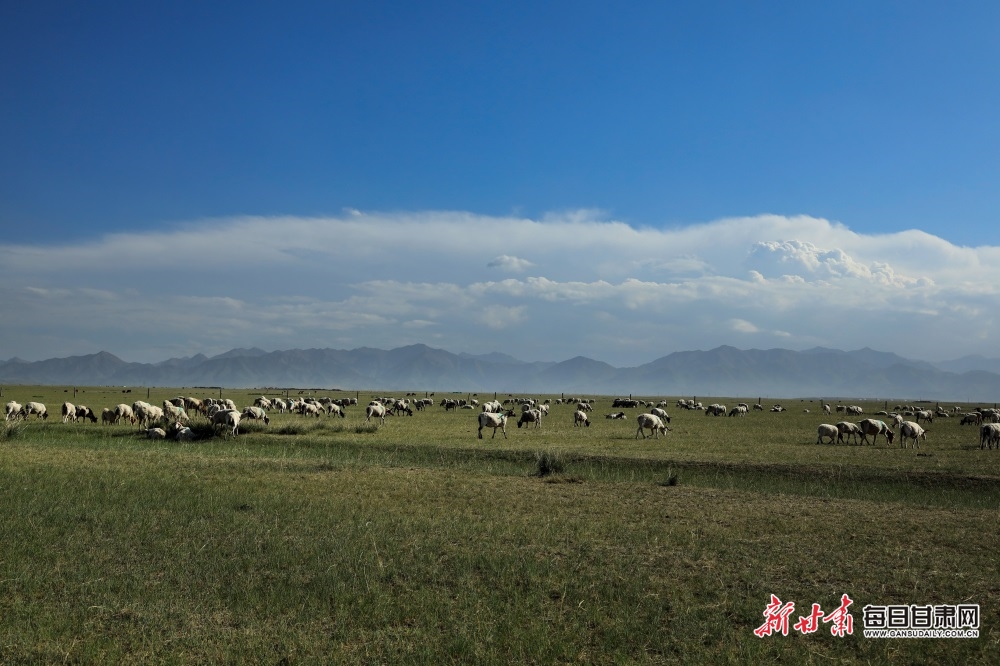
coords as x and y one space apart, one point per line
330 541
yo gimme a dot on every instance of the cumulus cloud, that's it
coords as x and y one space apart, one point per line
594 287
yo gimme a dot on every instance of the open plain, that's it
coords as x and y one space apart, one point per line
316 540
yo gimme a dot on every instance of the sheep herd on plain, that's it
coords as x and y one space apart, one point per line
172 419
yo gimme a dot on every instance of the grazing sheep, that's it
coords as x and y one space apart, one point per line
108 417
715 409
848 430
654 424
656 411
256 413
854 410
83 413
36 408
924 415
826 409
972 418
309 409
989 434
68 412
910 430
530 416
875 428
738 410
195 405
827 430
123 411
376 409
627 403
263 403
172 411
492 407
491 420
580 417
148 414
404 406
333 409
229 419
12 410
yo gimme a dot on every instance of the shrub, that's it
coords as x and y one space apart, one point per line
548 463
11 430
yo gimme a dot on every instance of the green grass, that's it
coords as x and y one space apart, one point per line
330 540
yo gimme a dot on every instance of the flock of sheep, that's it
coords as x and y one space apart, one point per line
172 420
988 420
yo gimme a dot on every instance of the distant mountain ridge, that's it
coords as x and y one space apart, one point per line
818 372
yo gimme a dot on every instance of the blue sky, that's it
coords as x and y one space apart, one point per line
826 129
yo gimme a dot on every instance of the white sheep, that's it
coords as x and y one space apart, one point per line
656 411
309 409
36 408
875 428
910 430
580 418
123 411
172 411
156 433
491 420
68 412
847 430
530 416
989 434
827 430
376 409
148 414
256 413
654 424
715 409
12 410
229 419
492 407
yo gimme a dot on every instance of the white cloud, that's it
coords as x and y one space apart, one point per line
593 287
499 316
512 264
743 326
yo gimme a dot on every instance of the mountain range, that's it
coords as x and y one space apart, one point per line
723 371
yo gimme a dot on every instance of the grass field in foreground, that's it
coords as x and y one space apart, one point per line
418 542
